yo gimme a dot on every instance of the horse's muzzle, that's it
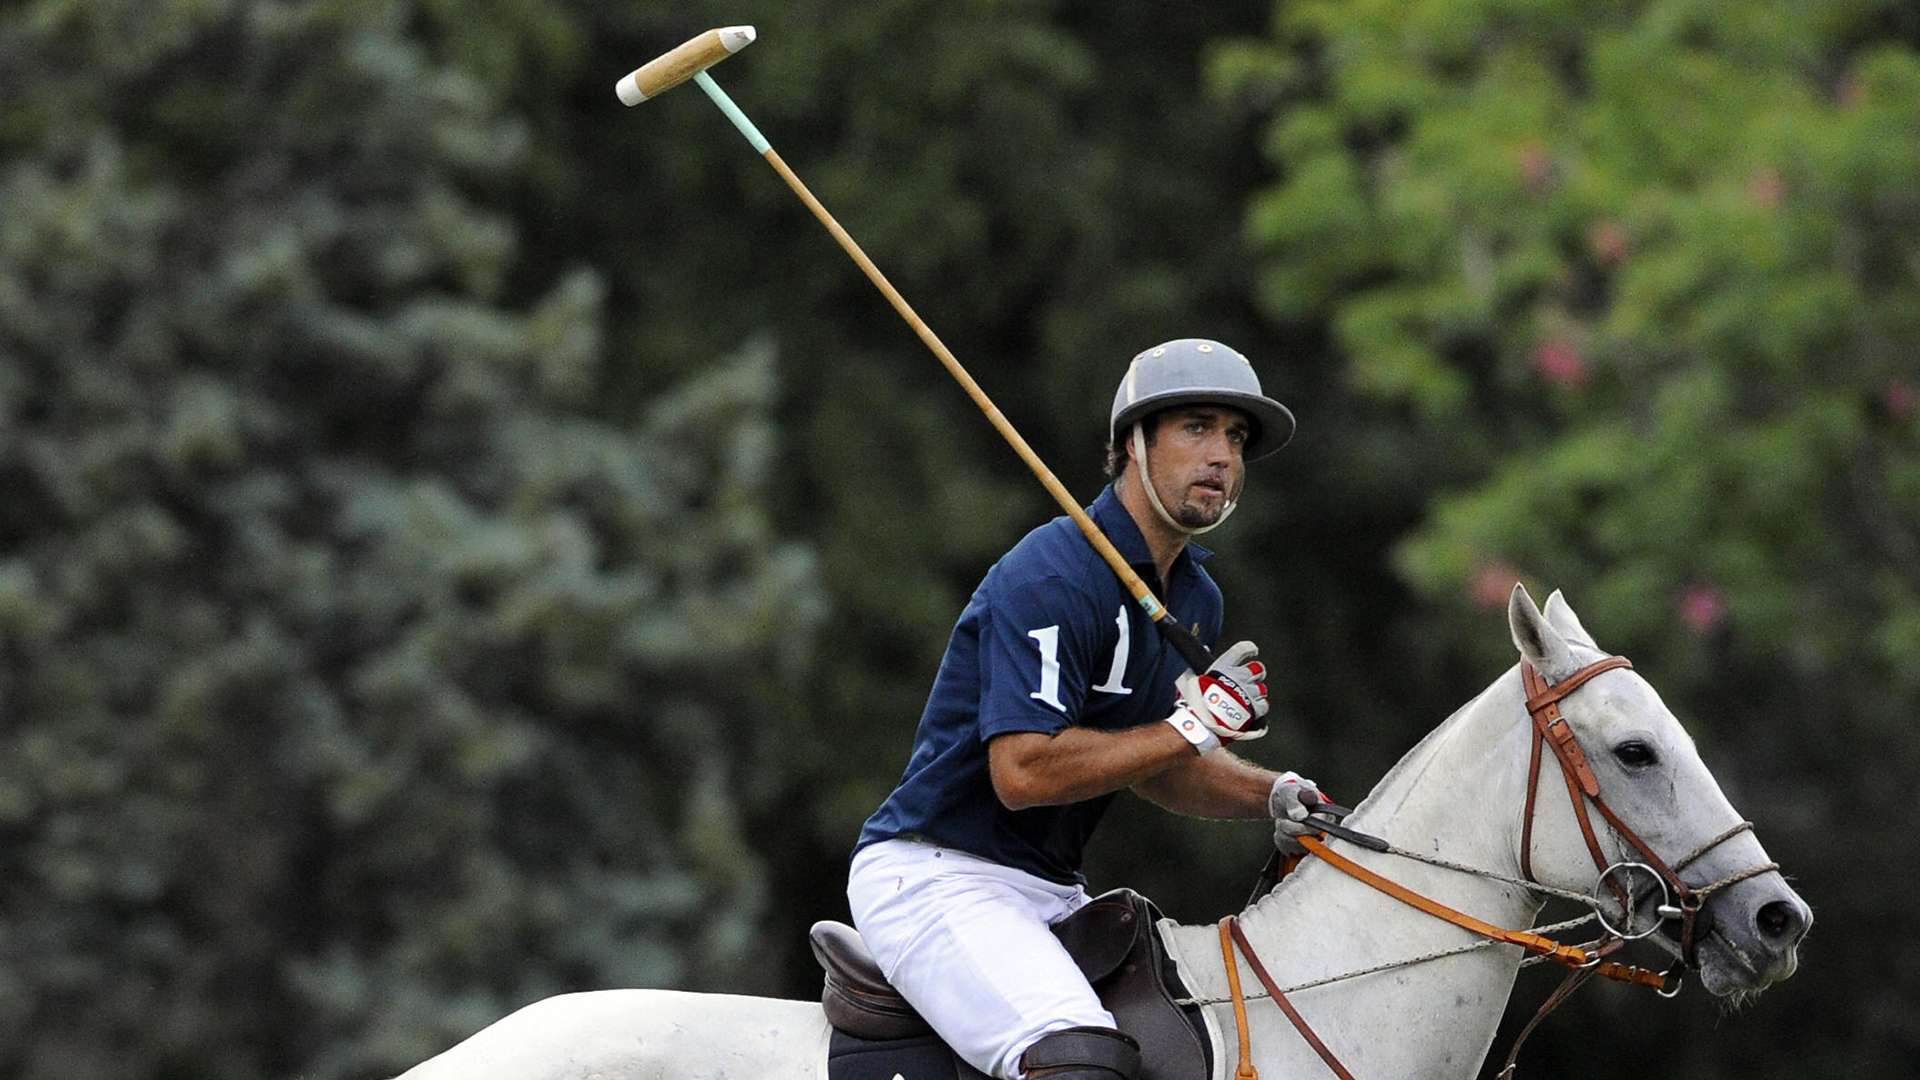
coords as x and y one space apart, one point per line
1749 936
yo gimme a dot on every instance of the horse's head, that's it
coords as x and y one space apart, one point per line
1649 773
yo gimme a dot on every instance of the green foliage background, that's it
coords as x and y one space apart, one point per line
465 541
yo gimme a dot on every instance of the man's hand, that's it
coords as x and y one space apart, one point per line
1288 803
1229 700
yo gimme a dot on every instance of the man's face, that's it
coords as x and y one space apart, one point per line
1196 463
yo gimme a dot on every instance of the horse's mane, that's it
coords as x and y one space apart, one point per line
1405 773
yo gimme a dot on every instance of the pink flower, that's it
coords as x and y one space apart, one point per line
1536 168
1489 586
1608 241
1900 399
1702 608
1766 187
1559 362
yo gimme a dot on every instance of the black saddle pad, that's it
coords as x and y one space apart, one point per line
923 1057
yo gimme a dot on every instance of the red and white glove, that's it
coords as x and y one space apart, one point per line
1228 703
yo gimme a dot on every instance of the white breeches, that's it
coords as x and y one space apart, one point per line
966 942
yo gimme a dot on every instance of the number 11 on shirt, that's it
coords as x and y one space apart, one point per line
1047 640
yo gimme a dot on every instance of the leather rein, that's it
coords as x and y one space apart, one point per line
1679 900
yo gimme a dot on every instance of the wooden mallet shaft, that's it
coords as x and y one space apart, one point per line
690 61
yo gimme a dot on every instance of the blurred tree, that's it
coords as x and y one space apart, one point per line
364 674
405 600
1640 279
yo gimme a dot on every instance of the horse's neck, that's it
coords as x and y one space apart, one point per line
1456 795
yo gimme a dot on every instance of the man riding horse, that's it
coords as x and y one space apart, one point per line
1055 693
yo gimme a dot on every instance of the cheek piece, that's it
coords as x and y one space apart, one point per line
1140 461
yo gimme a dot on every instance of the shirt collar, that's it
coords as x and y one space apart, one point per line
1113 519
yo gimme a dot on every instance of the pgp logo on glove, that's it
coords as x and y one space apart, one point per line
1229 698
1231 704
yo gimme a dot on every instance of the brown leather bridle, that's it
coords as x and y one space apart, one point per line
1551 729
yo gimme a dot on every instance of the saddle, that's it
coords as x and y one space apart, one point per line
1114 941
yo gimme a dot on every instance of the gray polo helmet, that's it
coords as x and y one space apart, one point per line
1194 371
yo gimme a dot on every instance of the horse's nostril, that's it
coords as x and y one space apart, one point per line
1779 919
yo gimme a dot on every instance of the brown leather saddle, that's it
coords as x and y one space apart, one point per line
1113 939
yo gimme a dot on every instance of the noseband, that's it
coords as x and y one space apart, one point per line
1679 900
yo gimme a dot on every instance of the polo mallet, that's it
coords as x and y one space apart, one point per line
691 61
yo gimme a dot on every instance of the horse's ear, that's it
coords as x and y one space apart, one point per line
1560 614
1539 643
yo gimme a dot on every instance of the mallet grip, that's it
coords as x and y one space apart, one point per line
670 69
1189 647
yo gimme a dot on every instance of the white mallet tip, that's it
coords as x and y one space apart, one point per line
629 90
736 38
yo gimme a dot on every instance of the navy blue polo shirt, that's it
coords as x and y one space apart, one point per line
1049 639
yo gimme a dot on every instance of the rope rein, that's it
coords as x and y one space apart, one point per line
1702 891
1585 899
1440 954
1677 899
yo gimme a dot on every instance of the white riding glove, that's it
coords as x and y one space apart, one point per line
1229 701
1287 803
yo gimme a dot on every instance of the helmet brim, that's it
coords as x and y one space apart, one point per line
1273 424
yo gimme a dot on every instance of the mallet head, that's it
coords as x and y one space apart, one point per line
670 69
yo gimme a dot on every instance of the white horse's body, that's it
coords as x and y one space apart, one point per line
1429 1020
1458 795
643 1035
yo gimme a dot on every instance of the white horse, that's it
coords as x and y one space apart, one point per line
1456 795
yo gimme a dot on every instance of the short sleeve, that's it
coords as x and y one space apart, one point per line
1035 651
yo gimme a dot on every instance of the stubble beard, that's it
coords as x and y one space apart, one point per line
1191 514
1194 516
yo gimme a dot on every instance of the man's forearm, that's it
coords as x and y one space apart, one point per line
1218 785
1032 769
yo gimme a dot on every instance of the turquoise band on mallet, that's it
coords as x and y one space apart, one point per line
720 98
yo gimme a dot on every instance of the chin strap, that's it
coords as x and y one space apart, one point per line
1140 460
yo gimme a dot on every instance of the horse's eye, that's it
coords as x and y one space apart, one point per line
1635 754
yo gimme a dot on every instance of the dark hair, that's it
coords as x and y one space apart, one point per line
1117 449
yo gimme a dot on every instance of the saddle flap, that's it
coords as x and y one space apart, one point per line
1102 934
1116 941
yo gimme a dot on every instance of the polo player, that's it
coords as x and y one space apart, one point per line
1055 693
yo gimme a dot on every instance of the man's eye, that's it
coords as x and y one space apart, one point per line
1237 436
